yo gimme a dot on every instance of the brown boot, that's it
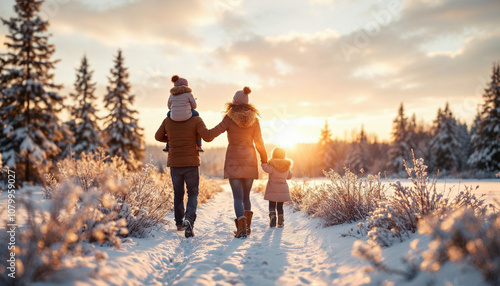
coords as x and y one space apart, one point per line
249 215
241 227
272 219
281 220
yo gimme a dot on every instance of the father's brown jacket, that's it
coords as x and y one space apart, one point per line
183 151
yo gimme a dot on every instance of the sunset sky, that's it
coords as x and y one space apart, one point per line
351 62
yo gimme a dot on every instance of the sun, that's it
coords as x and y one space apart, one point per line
288 139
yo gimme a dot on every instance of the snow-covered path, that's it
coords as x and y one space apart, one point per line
299 254
302 253
267 255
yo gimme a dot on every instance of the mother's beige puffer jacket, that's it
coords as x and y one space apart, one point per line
243 131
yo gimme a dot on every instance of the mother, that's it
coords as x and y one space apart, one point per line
240 167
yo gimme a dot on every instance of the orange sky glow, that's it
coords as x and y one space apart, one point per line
350 63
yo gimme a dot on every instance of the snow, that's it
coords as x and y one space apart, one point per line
302 253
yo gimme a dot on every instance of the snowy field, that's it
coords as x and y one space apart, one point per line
302 253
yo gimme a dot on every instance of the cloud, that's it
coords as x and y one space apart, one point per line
390 69
140 22
422 53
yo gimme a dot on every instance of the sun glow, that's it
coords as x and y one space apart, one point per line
288 138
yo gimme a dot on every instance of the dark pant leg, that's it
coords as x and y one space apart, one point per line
247 187
168 114
178 184
194 112
237 188
279 207
272 206
192 177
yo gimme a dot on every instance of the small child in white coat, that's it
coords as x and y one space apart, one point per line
182 105
277 191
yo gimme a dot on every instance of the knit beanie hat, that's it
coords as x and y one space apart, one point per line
178 81
241 96
279 153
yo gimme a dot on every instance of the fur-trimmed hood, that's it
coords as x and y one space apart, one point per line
281 165
180 90
244 115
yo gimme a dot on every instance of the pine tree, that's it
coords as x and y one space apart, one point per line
445 148
31 130
473 130
400 148
327 147
486 141
84 121
358 157
464 136
122 134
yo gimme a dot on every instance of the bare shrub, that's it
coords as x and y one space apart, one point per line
343 199
465 235
53 234
398 217
298 193
207 189
93 199
373 254
463 228
259 187
142 199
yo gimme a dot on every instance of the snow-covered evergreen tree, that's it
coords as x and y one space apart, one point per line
464 136
445 147
84 121
486 141
358 157
31 132
400 148
327 147
122 133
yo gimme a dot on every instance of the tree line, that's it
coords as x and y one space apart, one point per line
449 145
33 133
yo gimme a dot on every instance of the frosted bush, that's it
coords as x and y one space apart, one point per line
208 188
373 254
463 228
465 235
398 217
51 235
343 199
143 198
298 192
140 199
93 199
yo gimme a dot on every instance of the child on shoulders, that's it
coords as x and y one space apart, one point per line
182 105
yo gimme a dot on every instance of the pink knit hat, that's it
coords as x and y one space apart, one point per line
178 81
241 96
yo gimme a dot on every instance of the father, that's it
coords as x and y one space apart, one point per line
184 160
